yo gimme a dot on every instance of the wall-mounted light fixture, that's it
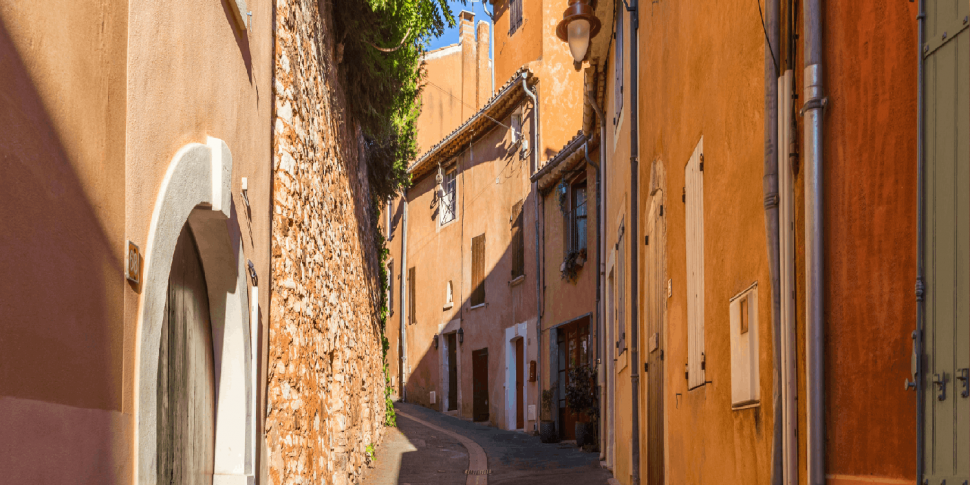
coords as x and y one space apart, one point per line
461 335
435 341
578 25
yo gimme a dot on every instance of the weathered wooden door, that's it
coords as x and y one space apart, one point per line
480 385
186 392
573 353
452 372
519 385
656 299
946 426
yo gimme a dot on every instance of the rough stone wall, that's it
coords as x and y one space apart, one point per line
325 379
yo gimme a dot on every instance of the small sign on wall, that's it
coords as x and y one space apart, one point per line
133 263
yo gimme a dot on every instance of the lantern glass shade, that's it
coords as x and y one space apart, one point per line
461 335
578 31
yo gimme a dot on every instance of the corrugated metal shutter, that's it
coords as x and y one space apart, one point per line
518 242
411 306
478 270
694 191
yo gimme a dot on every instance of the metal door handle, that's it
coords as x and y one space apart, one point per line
940 381
964 376
913 367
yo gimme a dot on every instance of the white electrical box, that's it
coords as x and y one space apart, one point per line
532 412
433 398
745 377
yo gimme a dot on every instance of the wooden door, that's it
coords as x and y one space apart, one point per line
655 300
519 385
186 391
452 372
946 428
480 385
573 353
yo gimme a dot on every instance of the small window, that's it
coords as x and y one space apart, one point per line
449 295
478 270
411 305
515 16
518 242
516 131
447 205
579 214
390 287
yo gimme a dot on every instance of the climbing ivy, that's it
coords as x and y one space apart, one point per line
390 417
382 42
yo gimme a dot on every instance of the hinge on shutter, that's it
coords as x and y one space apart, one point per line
661 211
646 240
683 196
702 162
686 372
646 365
703 361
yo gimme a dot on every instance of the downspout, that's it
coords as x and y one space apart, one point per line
404 285
920 305
535 200
770 188
634 237
814 263
600 271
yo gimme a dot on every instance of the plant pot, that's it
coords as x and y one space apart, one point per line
547 432
585 434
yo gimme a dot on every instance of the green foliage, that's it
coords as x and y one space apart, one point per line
581 391
383 41
370 451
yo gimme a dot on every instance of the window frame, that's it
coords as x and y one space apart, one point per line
515 16
451 171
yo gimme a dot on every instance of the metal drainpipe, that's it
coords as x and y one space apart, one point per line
535 200
600 271
920 228
404 281
770 188
634 238
813 111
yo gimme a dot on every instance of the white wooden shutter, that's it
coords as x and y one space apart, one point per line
694 191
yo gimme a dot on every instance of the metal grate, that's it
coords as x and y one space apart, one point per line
478 472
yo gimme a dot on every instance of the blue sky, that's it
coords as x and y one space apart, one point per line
451 35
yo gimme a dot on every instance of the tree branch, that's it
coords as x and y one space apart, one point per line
382 49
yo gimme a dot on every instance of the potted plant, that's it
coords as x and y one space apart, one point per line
547 427
581 399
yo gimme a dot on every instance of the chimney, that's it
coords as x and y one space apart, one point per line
484 66
469 61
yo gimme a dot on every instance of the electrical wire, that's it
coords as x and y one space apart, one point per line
468 106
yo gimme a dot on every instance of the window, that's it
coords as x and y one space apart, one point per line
578 214
478 270
447 204
449 295
387 220
618 66
694 201
515 16
390 287
516 127
411 306
518 242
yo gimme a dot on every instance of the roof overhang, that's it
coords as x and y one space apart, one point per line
567 160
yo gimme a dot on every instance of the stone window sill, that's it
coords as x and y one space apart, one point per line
475 307
448 306
517 281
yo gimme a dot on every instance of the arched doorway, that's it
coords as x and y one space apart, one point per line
186 386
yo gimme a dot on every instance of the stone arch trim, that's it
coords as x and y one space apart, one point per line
196 191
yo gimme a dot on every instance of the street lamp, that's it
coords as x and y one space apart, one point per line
578 25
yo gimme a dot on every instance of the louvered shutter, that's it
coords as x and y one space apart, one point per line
518 242
694 191
478 270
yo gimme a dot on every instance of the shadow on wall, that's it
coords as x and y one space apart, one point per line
62 292
505 305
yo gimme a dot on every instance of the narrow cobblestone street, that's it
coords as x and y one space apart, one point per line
425 449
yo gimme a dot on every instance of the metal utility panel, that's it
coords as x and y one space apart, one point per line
745 385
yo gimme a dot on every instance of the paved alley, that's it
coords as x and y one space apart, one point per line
426 448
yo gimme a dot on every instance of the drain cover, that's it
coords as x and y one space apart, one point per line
478 472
